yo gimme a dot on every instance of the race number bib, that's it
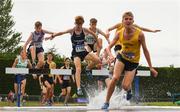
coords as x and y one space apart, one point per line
128 55
79 48
90 40
66 77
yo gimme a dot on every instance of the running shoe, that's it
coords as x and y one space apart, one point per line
105 106
129 95
79 92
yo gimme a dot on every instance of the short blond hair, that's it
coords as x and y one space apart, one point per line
129 13
79 20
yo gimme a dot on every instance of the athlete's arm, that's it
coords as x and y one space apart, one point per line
146 54
114 27
59 33
40 82
60 77
29 64
103 34
27 42
54 66
146 29
15 63
73 78
56 78
48 32
112 43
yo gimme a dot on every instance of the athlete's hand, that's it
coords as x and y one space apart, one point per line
111 58
48 38
156 31
154 72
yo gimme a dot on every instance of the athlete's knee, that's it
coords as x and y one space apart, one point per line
32 50
48 87
23 88
126 86
41 62
115 78
78 69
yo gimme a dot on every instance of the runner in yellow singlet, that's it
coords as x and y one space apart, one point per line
127 60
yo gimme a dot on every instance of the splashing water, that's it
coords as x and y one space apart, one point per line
96 100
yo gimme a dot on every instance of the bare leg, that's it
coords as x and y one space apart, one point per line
100 46
15 88
67 95
77 62
49 89
100 85
128 79
33 53
119 66
23 86
63 92
107 81
94 60
40 60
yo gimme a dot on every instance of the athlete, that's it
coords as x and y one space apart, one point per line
48 79
65 81
91 41
79 52
21 62
119 26
43 89
36 45
127 60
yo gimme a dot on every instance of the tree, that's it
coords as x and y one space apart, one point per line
9 39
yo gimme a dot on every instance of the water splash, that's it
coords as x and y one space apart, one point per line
96 100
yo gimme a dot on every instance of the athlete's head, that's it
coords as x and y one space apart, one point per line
93 22
38 26
79 20
67 61
23 54
50 56
127 19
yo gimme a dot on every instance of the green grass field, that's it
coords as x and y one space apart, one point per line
35 103
160 104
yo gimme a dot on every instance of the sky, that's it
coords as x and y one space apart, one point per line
58 15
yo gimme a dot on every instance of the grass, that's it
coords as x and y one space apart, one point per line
159 104
35 103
